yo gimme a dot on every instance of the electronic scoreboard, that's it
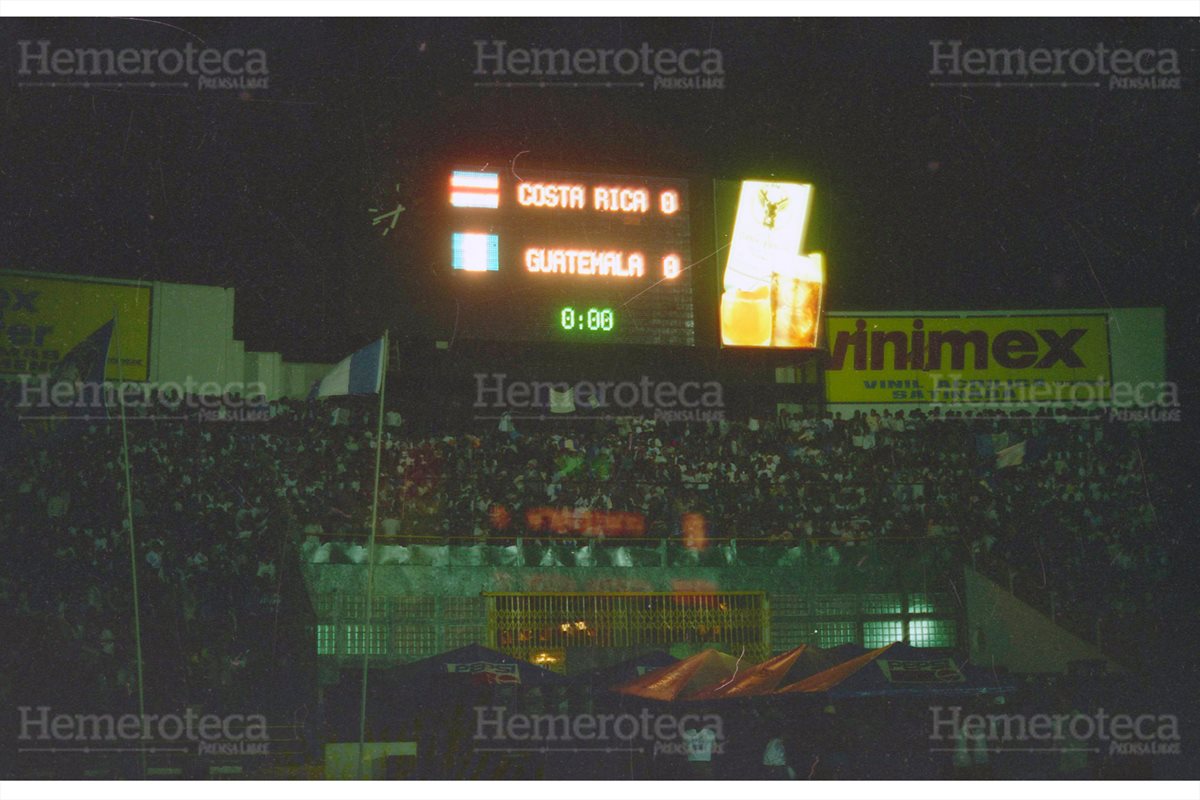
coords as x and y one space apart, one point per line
554 256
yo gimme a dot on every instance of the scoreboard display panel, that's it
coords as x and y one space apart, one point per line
579 257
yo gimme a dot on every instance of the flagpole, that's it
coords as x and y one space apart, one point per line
137 616
362 712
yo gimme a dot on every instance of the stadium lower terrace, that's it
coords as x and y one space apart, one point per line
752 536
825 482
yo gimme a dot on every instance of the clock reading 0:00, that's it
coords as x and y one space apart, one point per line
594 319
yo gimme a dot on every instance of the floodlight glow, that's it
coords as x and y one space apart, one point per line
574 250
773 290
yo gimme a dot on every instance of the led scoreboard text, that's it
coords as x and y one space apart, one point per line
635 200
562 256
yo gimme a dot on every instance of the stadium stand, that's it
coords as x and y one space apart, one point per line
222 509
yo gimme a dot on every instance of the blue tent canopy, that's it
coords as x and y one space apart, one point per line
902 670
478 664
626 670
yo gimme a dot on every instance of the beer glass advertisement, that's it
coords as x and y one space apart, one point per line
772 290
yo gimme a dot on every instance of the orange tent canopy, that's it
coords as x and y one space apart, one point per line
824 681
758 679
706 668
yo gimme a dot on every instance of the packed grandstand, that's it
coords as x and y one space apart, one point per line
225 510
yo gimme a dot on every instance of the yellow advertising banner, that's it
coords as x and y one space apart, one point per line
1030 358
41 319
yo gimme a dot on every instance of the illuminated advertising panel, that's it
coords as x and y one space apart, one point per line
931 358
41 319
547 255
772 291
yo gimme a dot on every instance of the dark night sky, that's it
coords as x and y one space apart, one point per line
926 197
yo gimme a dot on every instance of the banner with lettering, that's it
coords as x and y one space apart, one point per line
1047 359
930 670
42 319
488 672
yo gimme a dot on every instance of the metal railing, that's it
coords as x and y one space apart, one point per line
542 625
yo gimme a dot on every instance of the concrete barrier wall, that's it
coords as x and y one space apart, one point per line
1007 632
191 328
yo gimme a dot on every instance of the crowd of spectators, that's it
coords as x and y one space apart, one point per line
220 507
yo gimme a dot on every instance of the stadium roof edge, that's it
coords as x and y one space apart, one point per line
987 312
25 273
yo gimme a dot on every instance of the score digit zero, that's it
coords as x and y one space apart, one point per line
596 319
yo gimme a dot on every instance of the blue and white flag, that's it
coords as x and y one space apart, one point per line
988 445
360 373
1026 452
86 362
82 371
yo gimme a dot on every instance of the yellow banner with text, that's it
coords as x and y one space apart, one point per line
41 319
1033 358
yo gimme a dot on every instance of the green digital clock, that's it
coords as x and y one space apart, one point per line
599 320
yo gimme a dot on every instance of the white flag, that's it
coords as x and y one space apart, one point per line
562 402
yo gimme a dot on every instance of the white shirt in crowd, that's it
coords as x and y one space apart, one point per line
700 744
774 755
